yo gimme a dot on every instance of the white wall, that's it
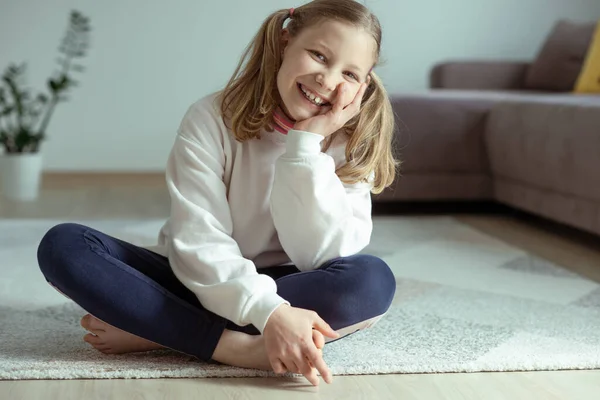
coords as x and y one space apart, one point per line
149 60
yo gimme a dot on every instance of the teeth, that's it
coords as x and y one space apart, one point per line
315 99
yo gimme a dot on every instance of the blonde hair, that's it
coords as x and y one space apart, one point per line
251 95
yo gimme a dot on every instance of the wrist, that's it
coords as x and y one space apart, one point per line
275 315
277 312
262 307
303 143
305 126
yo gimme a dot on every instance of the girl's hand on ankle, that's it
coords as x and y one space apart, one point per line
334 117
292 346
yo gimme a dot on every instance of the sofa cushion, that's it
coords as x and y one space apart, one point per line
561 58
551 147
441 134
589 79
442 131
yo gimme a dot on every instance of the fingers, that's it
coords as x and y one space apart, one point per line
310 373
355 105
278 366
315 356
325 110
343 104
318 339
340 100
292 366
324 328
303 366
298 364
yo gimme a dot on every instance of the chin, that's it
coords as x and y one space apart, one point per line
296 112
301 112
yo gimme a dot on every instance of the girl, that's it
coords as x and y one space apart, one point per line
270 184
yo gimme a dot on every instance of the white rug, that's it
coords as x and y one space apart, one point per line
465 302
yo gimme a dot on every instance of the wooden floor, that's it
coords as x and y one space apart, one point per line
71 197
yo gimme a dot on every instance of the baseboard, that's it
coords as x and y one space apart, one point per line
484 208
440 207
54 179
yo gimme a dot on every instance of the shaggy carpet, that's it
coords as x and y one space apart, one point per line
465 302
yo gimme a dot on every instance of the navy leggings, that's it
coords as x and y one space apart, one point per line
135 290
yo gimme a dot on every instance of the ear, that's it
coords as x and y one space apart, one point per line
285 39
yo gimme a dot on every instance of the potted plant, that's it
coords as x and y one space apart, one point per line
24 118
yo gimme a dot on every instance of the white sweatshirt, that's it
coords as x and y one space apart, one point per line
236 207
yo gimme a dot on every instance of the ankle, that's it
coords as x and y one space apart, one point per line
234 348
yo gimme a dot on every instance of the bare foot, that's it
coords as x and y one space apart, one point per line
110 340
249 351
242 350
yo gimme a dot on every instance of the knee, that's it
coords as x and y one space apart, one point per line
376 282
53 249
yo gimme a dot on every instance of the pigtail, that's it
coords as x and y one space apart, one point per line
250 97
369 147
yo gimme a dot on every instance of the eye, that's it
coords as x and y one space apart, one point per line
352 75
318 55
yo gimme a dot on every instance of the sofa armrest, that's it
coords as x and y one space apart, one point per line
482 75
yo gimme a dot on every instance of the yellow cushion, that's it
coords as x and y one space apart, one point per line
589 78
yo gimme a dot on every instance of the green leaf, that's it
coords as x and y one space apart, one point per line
23 138
52 85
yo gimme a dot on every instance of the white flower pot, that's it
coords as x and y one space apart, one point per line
20 174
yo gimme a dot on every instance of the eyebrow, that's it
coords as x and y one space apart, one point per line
352 66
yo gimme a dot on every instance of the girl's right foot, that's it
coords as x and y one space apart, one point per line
111 340
249 351
242 350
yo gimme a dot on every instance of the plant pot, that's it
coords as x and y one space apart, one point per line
20 174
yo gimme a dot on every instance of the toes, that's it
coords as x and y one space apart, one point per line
93 340
98 344
85 321
97 325
92 324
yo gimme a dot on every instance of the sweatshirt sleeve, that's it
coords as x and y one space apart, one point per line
201 250
316 215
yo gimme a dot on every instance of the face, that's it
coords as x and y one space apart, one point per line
317 61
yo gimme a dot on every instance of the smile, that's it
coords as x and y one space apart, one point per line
312 97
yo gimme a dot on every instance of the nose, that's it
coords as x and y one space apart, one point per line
328 81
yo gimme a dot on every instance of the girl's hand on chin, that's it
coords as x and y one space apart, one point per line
334 117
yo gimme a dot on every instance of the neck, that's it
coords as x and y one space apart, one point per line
282 123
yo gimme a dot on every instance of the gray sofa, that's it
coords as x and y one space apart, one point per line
481 134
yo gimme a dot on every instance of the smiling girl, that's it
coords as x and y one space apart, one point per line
270 183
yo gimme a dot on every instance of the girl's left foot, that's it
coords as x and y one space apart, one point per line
110 340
